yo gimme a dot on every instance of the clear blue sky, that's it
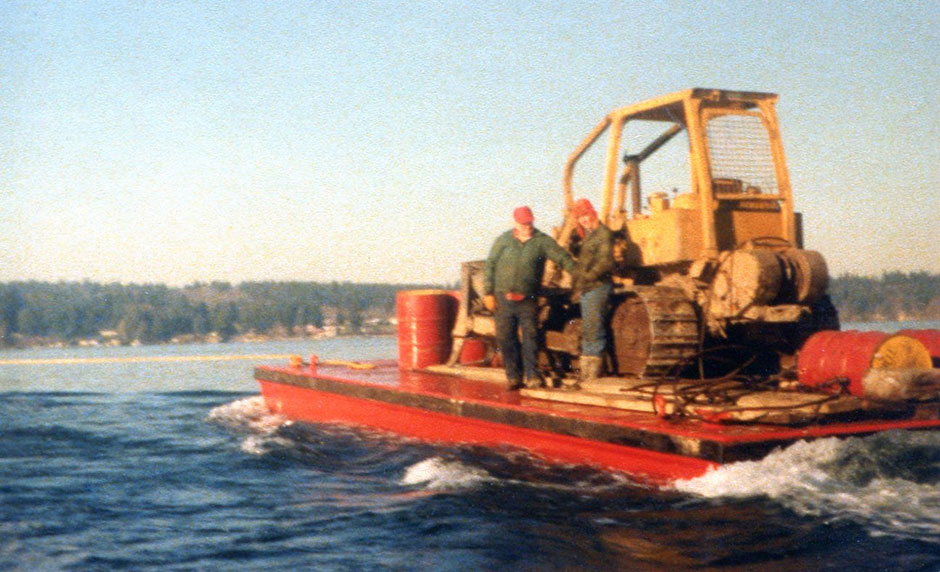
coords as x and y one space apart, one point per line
388 141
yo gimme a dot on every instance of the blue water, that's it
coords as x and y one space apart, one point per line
178 466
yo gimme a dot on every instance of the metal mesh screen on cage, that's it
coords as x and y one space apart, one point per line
739 146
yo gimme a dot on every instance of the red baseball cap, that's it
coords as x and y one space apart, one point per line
523 215
584 207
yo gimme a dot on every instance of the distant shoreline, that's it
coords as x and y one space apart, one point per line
70 314
250 338
254 338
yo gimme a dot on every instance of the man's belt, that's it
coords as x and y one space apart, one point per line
514 297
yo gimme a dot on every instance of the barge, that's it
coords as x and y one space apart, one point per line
722 341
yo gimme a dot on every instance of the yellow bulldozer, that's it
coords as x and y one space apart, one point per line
708 247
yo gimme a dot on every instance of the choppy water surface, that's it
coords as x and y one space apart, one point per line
178 466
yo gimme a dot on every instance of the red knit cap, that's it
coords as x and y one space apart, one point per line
523 215
584 207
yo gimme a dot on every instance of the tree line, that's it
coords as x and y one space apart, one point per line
892 297
43 312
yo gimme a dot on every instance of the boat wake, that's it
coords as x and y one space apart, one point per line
251 415
440 474
888 482
518 469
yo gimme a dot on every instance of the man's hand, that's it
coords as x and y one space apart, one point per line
489 302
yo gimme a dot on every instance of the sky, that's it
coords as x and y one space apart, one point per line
175 142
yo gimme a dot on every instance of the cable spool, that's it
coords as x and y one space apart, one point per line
744 278
808 273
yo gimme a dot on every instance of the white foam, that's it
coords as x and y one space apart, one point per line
255 444
840 479
252 415
779 473
249 413
437 473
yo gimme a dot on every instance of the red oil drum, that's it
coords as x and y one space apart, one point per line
473 351
425 320
930 339
830 354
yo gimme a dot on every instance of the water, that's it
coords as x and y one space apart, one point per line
178 466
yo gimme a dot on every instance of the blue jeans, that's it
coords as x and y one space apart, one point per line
593 327
510 318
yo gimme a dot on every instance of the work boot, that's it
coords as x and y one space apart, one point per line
572 383
591 368
513 384
533 382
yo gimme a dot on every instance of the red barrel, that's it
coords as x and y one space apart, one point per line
830 354
930 339
473 351
425 320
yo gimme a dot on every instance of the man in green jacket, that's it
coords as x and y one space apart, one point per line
594 284
512 278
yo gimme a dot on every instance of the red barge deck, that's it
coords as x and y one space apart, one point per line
448 408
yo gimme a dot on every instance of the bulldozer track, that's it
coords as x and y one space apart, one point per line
655 328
